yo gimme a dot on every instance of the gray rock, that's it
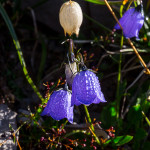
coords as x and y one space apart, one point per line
7 117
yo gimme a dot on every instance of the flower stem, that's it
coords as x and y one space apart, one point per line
119 72
147 120
131 44
118 85
91 125
140 58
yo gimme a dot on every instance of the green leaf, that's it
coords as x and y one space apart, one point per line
121 140
101 2
134 117
139 136
108 115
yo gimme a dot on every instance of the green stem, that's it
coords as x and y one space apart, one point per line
71 133
121 9
91 125
118 85
119 73
88 117
19 51
147 120
130 4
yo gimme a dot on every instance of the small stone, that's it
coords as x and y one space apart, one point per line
7 117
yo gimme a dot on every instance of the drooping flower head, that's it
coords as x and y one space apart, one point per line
59 106
71 17
86 89
132 21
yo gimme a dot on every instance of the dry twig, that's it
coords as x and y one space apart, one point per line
123 113
131 44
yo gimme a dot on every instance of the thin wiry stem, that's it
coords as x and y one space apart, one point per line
140 58
91 125
109 7
131 44
118 96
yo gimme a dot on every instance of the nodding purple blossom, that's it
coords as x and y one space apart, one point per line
59 106
86 89
131 22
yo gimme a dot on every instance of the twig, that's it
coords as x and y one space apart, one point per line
14 133
83 41
140 58
17 141
128 62
123 51
122 71
131 44
123 113
109 7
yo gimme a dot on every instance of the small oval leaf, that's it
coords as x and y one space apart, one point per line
121 140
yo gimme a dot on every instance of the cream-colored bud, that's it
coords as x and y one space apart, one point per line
71 17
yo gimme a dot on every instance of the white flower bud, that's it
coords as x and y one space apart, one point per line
71 17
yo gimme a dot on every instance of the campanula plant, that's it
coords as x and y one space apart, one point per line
59 106
86 88
131 22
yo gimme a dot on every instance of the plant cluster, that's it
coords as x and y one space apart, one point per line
124 120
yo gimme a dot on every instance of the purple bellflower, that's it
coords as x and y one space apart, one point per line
86 89
131 22
59 106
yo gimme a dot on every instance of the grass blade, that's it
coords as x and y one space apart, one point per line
19 51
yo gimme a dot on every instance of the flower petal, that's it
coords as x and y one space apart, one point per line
132 21
59 106
86 89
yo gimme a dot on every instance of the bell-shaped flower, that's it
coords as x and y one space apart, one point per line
131 22
59 106
86 89
71 17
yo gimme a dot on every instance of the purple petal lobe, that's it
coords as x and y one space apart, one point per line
86 89
74 100
132 21
59 106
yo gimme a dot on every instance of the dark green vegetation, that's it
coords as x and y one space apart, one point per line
41 57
